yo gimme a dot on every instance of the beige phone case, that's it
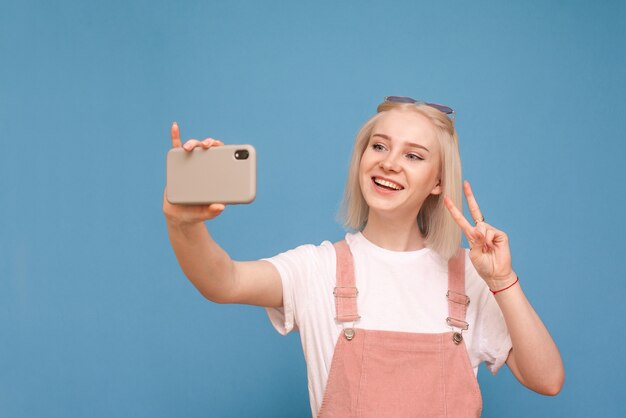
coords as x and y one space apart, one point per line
214 175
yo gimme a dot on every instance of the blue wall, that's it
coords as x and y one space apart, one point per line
96 318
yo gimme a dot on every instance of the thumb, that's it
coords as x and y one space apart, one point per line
214 210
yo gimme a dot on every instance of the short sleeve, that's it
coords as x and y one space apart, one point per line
295 267
491 340
283 318
494 341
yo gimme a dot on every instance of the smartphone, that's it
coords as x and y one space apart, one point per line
223 174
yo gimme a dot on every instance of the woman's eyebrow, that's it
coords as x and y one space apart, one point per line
411 144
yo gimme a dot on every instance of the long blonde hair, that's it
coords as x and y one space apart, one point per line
440 231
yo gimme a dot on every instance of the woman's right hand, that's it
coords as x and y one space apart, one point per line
184 215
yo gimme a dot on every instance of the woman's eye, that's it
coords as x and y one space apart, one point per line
378 147
414 157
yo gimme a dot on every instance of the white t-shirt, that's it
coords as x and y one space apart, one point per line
398 291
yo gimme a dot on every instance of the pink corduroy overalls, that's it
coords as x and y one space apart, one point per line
400 374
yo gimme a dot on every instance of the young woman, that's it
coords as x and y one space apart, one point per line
395 319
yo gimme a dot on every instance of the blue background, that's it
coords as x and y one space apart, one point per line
96 318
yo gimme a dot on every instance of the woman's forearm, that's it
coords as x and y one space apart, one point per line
203 261
534 359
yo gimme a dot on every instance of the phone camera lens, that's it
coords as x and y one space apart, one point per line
242 154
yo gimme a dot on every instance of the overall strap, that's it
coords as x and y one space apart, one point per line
457 299
345 290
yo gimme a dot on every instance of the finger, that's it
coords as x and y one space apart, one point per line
175 133
210 142
459 218
214 209
489 238
482 227
191 144
472 204
480 242
478 238
500 237
216 142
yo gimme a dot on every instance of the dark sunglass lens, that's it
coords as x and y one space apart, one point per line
400 99
404 99
441 108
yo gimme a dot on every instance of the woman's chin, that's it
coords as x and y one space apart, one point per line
392 212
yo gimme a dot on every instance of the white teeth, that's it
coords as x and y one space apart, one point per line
387 183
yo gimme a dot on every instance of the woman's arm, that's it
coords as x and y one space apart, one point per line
217 276
205 263
534 359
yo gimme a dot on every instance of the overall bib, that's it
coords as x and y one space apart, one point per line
400 374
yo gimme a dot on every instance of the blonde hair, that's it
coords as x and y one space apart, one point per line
440 231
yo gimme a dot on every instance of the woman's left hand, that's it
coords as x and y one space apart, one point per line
489 247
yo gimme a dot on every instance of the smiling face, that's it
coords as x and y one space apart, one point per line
401 164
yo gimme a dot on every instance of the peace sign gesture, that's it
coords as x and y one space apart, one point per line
489 247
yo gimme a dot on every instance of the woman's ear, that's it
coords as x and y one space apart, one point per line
437 189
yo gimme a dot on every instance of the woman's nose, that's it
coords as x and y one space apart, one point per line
389 163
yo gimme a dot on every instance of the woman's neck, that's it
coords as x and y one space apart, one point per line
393 234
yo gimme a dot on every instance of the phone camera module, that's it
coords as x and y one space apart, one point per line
242 154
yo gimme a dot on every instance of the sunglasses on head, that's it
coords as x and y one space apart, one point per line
403 99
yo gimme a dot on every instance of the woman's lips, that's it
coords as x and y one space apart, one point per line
386 184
